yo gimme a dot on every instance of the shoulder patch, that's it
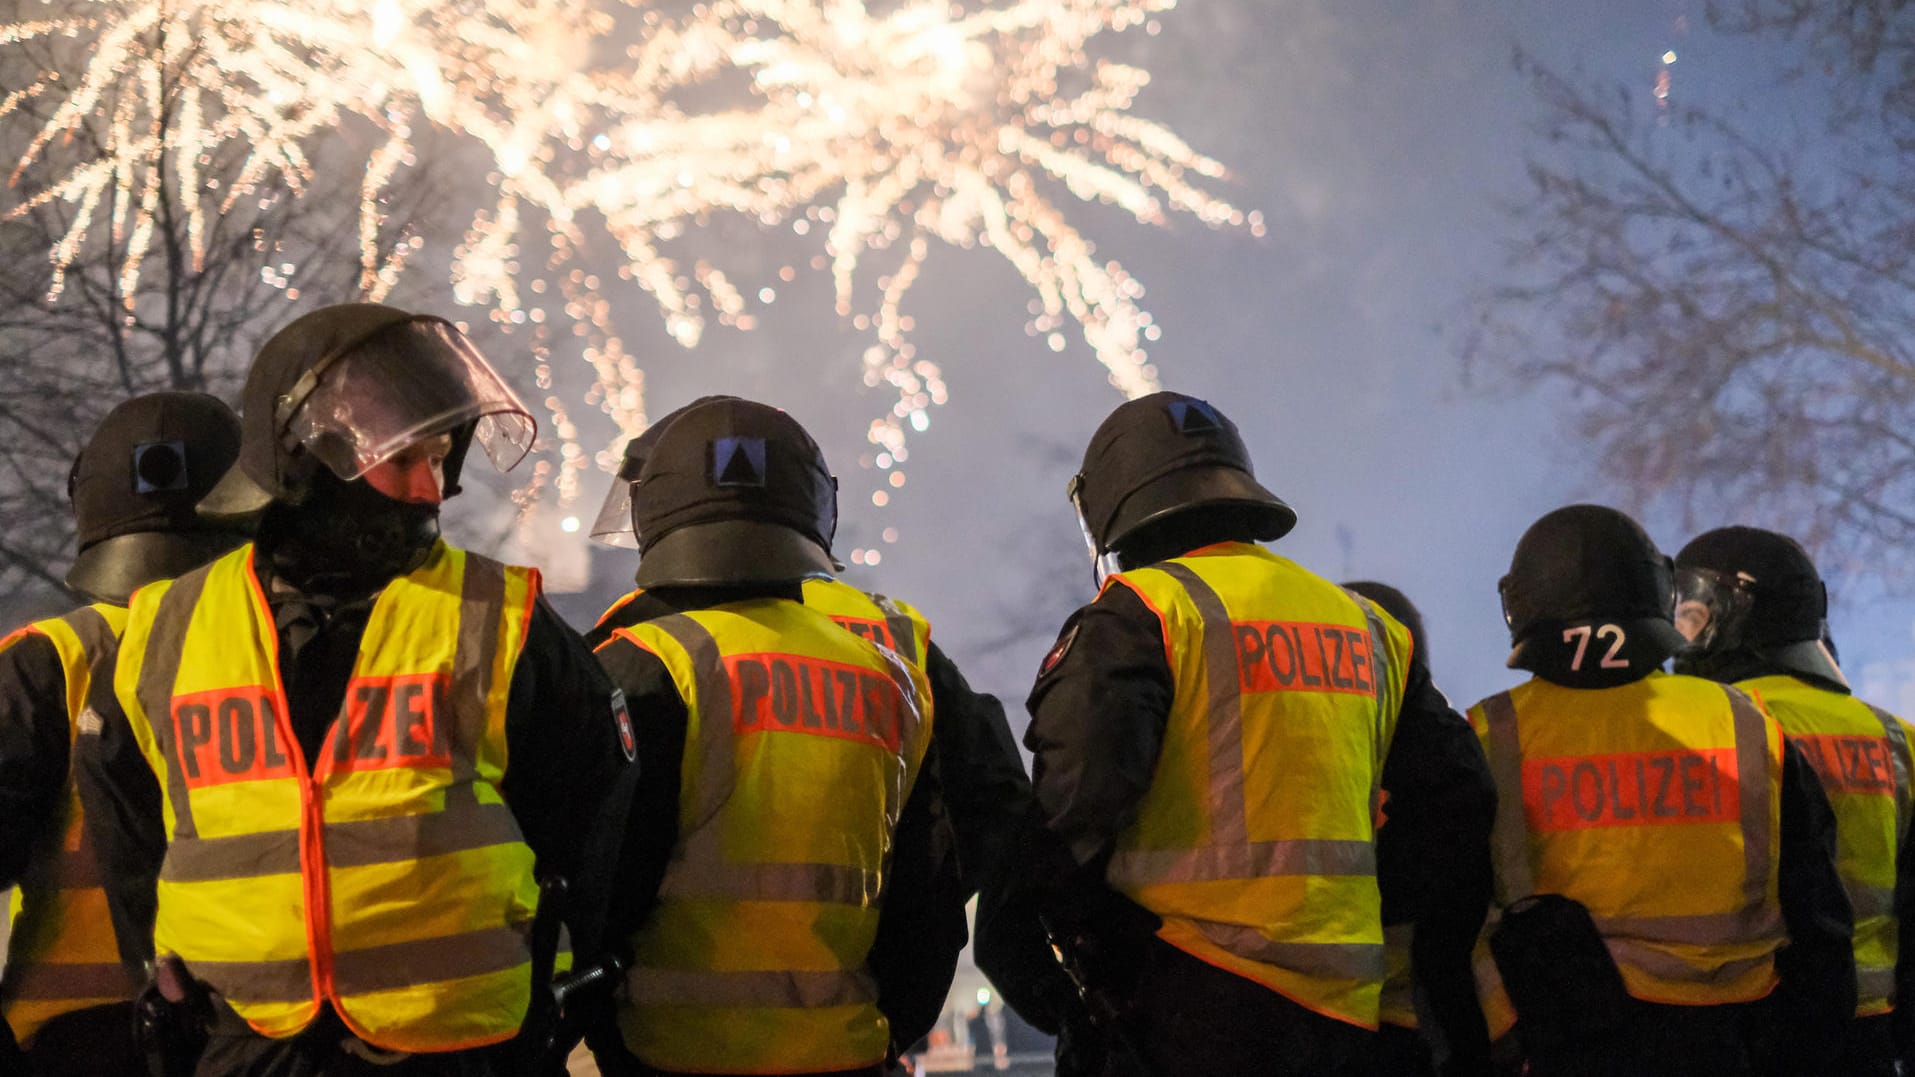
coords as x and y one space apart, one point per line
622 719
1058 650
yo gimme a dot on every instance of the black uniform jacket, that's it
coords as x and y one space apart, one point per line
922 928
568 782
1099 710
34 742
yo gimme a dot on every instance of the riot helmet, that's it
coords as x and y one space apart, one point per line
1750 595
733 492
1398 605
1159 457
1584 564
134 488
614 525
347 387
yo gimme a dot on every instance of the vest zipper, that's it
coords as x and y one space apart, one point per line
312 845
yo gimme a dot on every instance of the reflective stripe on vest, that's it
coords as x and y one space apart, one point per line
753 961
62 954
1654 794
385 875
1197 856
1861 755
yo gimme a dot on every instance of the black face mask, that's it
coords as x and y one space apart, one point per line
347 537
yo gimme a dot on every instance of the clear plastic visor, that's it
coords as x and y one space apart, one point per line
614 524
1710 606
402 384
1103 565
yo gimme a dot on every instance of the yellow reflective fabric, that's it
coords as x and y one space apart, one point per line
1862 758
803 742
1256 840
62 955
884 621
386 875
1655 804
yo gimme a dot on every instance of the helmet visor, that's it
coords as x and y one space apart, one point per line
1711 608
614 526
411 381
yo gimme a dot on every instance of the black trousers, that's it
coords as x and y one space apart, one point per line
1192 1019
94 1042
1667 1041
1869 1048
324 1049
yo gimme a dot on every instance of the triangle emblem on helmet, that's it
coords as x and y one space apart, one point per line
1193 417
738 461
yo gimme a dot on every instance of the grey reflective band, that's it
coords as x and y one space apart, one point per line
1726 929
1251 860
1656 962
713 710
42 980
1898 751
1331 960
422 961
159 669
481 599
904 631
838 883
1758 804
1223 711
232 856
1871 900
764 990
1509 838
286 980
1379 679
1873 983
354 843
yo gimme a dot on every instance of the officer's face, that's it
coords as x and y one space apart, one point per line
414 474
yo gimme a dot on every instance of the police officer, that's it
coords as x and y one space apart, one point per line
985 787
132 489
1215 737
1756 613
802 829
1663 857
1402 1050
339 750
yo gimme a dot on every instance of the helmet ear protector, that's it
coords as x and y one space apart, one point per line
1104 563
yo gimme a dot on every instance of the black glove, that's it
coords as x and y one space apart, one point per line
172 1018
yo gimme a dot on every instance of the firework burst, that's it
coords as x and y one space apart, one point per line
881 131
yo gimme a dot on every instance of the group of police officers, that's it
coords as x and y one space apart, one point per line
308 790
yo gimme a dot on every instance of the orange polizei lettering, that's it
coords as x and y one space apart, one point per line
1632 789
228 735
390 722
875 631
1287 656
786 693
1850 764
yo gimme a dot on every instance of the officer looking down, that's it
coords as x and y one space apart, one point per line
1216 737
802 867
1668 897
1756 612
334 757
133 489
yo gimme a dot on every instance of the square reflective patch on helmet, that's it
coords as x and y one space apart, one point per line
1194 417
738 461
159 466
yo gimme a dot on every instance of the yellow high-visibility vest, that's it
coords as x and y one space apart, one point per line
802 744
882 620
1862 756
387 876
62 954
1256 840
1656 804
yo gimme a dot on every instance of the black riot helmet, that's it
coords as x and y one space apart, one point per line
733 492
134 489
1750 594
614 525
1398 605
346 387
1158 457
1588 563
